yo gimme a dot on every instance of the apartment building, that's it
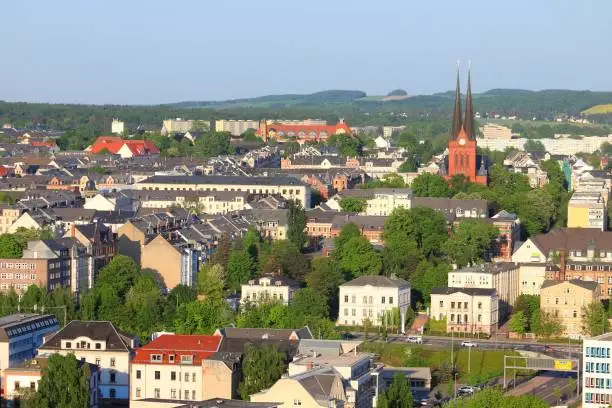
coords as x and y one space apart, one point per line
269 288
560 145
177 125
587 210
288 187
375 299
171 368
271 223
565 300
596 374
302 131
371 226
494 131
21 334
531 277
176 263
235 127
467 310
501 276
99 343
25 377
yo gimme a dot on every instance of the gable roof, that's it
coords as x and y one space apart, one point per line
198 346
95 330
588 285
379 281
573 239
267 334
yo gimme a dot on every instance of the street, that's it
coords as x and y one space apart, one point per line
546 385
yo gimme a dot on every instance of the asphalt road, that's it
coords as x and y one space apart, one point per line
544 386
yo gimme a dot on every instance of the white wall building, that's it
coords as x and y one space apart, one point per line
596 374
99 343
561 145
269 289
117 127
373 298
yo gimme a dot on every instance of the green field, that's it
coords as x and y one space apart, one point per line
601 109
485 364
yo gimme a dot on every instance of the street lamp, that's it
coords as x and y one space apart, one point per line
455 388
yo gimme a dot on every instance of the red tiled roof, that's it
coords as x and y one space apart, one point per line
114 143
3 171
35 143
197 346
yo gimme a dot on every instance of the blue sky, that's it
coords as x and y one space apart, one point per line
137 51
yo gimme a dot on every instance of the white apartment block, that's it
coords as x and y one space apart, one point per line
373 298
99 343
596 374
235 127
269 288
466 310
501 276
562 145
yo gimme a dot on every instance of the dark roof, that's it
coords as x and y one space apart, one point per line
376 280
264 181
492 268
17 324
573 239
216 403
95 330
468 291
588 285
269 334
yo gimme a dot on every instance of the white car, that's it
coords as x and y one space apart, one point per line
414 339
468 344
466 389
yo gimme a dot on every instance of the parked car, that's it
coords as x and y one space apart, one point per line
468 344
466 390
424 402
414 339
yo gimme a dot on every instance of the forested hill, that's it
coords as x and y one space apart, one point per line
356 107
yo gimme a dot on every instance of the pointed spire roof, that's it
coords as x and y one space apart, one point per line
456 125
468 122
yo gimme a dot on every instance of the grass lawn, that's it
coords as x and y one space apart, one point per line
485 364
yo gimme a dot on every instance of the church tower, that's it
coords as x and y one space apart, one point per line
462 157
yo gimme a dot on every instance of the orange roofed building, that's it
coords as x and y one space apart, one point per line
183 367
124 148
462 157
301 132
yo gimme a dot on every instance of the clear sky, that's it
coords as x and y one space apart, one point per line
153 51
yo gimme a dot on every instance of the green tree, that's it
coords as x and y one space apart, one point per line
430 185
397 395
286 256
595 319
120 274
64 383
518 322
296 224
202 317
427 276
546 325
9 247
470 241
239 269
425 226
353 204
325 278
495 397
529 305
307 302
537 211
348 231
534 146
222 253
358 258
211 280
400 256
251 243
262 366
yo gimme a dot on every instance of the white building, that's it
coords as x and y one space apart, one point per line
373 298
117 127
235 127
561 145
467 310
269 288
99 343
21 334
596 374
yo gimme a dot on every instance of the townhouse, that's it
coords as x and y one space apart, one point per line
565 300
466 310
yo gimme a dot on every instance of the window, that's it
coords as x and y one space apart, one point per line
354 299
186 394
138 374
193 377
98 346
17 385
390 300
297 402
365 299
157 375
452 317
113 393
186 359
480 305
156 358
113 377
441 303
479 318
112 362
171 358
98 361
32 385
173 376
173 393
452 305
186 377
382 300
353 312
156 392
345 298
137 392
68 344
465 305
193 395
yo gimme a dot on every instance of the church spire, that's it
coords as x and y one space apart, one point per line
468 121
456 126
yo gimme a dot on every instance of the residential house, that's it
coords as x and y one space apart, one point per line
271 224
565 300
374 299
124 148
99 343
466 310
25 377
269 288
175 263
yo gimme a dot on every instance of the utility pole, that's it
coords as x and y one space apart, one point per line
453 350
469 359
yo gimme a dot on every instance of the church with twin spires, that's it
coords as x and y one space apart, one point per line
462 157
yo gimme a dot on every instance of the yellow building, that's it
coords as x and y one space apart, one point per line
587 210
565 300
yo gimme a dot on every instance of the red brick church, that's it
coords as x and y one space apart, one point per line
462 157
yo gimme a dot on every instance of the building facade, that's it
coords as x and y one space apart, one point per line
565 300
21 334
466 310
269 288
596 374
587 210
374 299
176 263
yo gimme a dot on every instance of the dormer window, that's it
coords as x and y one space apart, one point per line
171 358
278 283
68 345
187 359
156 358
